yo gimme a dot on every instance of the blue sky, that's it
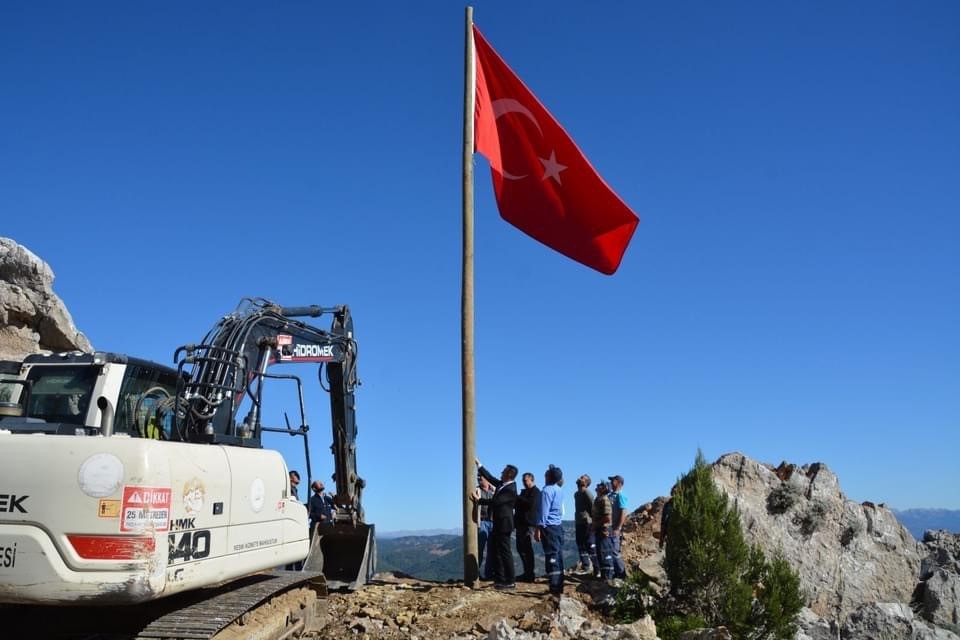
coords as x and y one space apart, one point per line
791 291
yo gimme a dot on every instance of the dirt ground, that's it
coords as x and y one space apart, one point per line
401 607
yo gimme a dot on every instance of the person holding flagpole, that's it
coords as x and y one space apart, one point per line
502 504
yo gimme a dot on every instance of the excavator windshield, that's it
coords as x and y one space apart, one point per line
61 393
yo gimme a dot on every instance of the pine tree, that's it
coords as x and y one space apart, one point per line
715 577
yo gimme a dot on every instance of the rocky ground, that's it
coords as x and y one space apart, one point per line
396 607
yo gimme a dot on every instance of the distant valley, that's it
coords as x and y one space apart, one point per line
432 555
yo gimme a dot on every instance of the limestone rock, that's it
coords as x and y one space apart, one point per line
32 318
813 627
941 599
846 553
941 551
890 621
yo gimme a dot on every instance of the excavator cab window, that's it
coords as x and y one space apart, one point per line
62 393
144 408
12 394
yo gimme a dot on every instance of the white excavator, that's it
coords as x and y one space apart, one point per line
123 481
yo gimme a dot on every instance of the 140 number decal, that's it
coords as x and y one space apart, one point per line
192 545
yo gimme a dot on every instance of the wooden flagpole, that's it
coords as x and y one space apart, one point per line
470 557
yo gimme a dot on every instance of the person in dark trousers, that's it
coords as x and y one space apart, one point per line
583 519
618 502
502 503
321 507
525 520
484 527
602 517
550 528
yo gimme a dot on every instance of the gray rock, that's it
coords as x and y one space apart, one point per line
813 627
845 553
941 599
642 629
502 631
32 318
942 550
890 621
571 615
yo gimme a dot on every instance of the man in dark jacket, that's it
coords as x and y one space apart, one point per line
525 520
502 503
583 519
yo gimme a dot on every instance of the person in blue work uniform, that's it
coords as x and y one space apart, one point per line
602 517
549 529
619 503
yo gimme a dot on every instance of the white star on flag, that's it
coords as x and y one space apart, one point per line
552 168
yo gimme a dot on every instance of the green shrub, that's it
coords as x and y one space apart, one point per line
715 577
635 598
671 626
809 521
782 498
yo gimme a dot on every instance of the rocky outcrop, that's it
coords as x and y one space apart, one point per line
889 621
846 553
860 570
939 592
32 318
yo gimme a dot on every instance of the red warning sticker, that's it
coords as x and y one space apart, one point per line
145 508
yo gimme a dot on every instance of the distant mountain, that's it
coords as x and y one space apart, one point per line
418 532
440 557
436 557
919 520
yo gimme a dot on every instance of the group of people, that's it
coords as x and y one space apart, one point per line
536 516
599 526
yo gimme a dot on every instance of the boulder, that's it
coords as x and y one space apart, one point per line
941 599
33 319
813 627
890 621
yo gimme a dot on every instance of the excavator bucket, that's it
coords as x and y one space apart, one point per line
346 553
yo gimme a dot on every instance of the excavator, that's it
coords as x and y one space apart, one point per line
123 481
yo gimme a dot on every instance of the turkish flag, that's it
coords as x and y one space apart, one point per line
544 184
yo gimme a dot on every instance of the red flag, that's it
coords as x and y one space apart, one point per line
544 184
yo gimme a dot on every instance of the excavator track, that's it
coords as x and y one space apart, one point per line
196 616
205 619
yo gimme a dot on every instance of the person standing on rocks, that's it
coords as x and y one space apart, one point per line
484 528
502 502
619 503
583 517
525 519
602 517
549 528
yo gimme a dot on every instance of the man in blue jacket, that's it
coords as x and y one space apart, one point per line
549 528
